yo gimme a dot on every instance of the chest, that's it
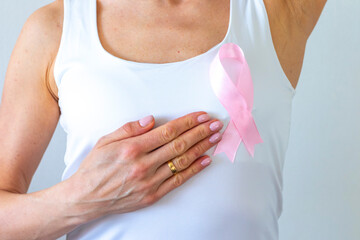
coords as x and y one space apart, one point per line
161 34
99 92
174 33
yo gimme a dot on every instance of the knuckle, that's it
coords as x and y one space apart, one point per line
189 122
138 171
178 180
194 170
178 146
193 155
146 187
130 151
168 133
182 162
128 128
203 131
198 149
150 199
102 140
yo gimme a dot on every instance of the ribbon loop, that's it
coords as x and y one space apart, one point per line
231 81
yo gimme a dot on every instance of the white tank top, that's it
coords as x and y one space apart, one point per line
99 92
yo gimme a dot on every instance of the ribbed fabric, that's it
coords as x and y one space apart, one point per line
99 92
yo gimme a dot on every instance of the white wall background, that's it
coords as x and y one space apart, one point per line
322 169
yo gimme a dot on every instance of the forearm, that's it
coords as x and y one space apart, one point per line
46 214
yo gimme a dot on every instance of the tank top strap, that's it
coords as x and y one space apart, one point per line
252 18
252 32
77 34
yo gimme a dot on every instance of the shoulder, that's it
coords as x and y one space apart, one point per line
299 17
36 47
44 24
40 39
41 33
47 14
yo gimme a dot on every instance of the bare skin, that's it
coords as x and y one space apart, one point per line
29 112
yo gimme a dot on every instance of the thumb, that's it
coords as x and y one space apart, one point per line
130 129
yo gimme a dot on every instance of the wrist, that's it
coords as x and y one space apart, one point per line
59 205
78 208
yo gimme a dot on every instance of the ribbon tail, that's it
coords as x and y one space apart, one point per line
230 142
251 136
231 139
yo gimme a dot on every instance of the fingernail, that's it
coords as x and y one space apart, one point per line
146 120
203 117
206 162
215 137
215 125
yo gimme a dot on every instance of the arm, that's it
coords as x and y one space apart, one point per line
291 23
28 117
305 13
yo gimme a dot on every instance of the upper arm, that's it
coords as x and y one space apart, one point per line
28 112
305 14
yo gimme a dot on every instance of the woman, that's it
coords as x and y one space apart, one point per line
98 66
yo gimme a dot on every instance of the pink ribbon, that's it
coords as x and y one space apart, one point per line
231 81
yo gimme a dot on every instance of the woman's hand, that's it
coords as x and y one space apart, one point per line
127 169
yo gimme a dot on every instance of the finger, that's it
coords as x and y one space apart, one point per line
179 178
130 129
182 143
183 161
169 131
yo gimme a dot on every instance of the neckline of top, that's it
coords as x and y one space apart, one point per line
99 46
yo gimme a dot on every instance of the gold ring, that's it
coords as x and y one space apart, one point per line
172 167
